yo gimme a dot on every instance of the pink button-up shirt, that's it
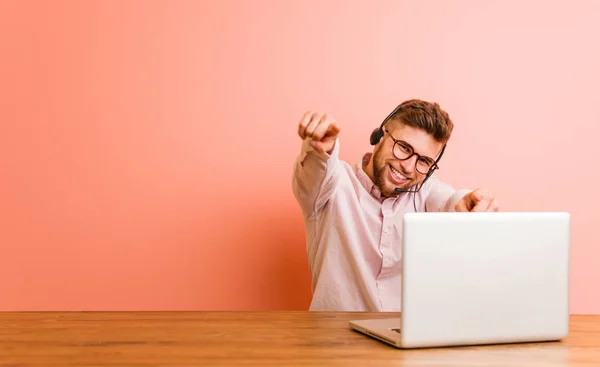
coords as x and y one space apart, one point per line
353 235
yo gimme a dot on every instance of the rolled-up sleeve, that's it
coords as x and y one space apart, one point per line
442 197
314 178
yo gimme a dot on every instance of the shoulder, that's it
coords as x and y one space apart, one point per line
435 185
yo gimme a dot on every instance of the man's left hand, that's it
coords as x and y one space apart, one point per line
479 200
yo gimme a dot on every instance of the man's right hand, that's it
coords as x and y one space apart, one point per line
321 128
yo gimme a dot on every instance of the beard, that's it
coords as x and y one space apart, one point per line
381 172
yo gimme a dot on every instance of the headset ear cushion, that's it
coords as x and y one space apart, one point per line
376 135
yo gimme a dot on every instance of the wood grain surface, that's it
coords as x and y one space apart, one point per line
254 339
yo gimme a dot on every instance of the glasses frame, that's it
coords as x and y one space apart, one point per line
434 166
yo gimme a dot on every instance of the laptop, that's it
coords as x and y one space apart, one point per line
480 278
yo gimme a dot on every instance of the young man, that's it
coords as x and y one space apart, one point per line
353 214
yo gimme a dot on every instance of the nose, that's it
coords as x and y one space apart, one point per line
409 164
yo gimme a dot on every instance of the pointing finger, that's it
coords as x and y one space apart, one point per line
303 123
482 205
471 199
332 132
323 128
461 206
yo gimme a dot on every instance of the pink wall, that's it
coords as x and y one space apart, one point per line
137 167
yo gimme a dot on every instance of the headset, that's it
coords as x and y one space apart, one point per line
377 135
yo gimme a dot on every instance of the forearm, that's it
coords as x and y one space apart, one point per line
442 197
314 177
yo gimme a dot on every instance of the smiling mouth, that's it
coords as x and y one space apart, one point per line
397 176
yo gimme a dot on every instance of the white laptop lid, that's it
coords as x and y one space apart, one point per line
487 277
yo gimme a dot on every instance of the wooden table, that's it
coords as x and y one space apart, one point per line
253 338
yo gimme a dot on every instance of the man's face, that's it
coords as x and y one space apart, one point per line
389 172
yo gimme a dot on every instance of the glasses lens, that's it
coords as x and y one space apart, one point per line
423 166
402 151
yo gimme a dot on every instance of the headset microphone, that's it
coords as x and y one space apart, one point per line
398 190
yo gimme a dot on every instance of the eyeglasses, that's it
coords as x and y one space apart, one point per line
403 151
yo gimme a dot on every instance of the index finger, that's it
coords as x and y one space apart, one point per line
482 206
327 128
303 123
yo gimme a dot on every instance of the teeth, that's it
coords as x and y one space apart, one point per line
397 174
